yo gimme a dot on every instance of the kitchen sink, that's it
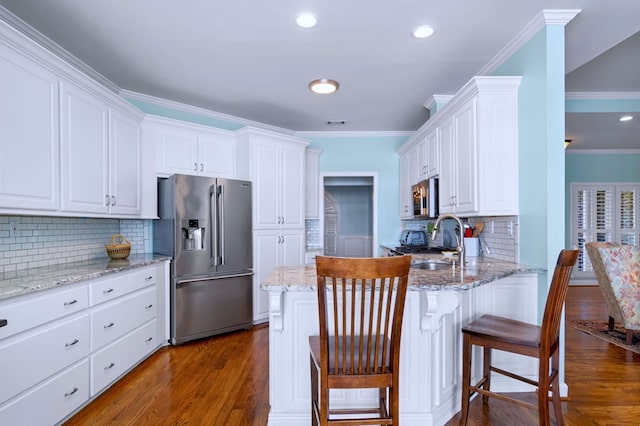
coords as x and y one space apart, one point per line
433 265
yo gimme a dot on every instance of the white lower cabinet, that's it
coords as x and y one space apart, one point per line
110 363
270 250
61 347
54 399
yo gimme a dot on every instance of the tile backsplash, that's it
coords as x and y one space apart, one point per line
34 241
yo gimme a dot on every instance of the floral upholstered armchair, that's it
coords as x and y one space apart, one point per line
617 268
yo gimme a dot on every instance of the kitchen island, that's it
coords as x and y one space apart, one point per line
442 297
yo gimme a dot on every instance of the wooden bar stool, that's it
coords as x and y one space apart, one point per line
360 306
542 342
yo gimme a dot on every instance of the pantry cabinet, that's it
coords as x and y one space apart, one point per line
192 149
29 148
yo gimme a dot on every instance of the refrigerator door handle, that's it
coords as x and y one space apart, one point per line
213 209
221 224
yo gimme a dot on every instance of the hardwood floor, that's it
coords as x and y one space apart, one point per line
224 381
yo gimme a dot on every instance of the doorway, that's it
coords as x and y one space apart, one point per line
349 206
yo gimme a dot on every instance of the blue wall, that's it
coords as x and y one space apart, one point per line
368 154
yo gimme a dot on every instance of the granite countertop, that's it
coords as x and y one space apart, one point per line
477 271
18 283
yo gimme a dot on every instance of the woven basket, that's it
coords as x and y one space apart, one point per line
118 247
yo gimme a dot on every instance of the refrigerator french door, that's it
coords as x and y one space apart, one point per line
205 225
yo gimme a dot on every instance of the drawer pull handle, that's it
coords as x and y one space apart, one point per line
109 325
3 322
149 339
150 277
75 389
71 302
68 345
107 291
109 367
148 307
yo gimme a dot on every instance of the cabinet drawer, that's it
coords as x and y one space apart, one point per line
120 284
121 316
29 359
31 311
50 402
111 362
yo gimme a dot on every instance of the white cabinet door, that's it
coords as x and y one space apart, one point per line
466 194
273 248
125 164
458 177
29 149
406 209
447 167
177 151
312 183
291 170
84 146
432 154
216 155
278 184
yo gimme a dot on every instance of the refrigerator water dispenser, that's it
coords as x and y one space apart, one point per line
193 236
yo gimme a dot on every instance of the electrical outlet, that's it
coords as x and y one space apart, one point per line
13 227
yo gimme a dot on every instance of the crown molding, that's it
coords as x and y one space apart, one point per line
353 134
602 95
546 17
201 111
45 42
571 151
434 100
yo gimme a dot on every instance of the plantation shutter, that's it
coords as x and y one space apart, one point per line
602 212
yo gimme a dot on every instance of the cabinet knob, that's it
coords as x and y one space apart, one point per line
71 302
148 278
3 322
107 326
74 390
107 291
110 366
106 200
69 344
148 307
149 339
201 167
195 167
113 200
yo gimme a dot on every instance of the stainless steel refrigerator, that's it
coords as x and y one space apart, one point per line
205 225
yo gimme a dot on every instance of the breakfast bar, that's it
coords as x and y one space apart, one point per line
442 297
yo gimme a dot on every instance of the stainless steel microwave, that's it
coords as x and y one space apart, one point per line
425 198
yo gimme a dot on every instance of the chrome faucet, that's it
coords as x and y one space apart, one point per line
460 236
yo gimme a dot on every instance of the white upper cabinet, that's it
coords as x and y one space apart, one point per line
406 206
29 149
277 171
193 149
101 153
85 151
476 134
312 183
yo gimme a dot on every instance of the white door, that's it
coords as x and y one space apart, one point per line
266 192
265 257
84 148
466 199
29 149
216 154
447 180
292 183
177 152
125 164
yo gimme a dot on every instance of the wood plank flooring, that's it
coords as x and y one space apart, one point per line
224 381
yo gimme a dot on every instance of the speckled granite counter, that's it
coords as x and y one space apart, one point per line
478 271
28 281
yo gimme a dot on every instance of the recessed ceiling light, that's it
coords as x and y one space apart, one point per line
626 118
423 31
323 86
306 20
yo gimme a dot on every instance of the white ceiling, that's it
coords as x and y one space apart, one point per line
246 58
